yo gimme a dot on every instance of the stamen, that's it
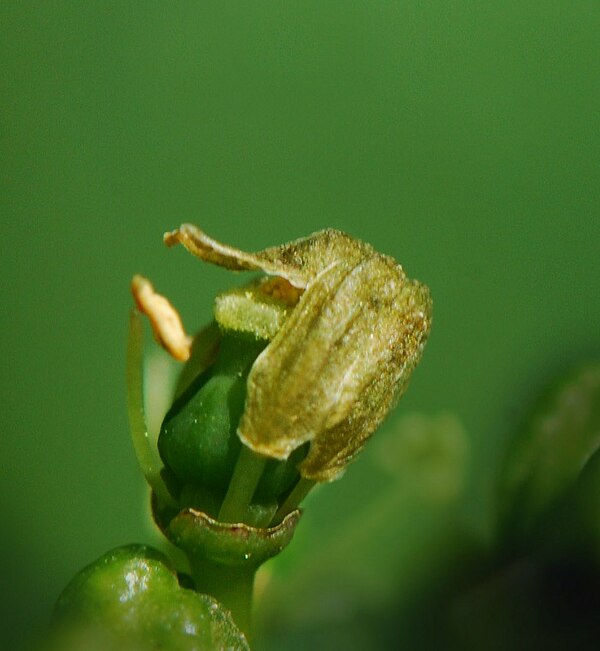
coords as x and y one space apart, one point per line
164 319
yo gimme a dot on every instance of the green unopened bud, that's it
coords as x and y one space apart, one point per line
197 440
339 356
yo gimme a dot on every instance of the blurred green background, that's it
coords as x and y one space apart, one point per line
459 137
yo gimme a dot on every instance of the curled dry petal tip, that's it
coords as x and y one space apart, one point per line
165 321
298 262
342 357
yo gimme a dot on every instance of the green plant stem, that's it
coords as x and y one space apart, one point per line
231 585
246 475
148 459
299 492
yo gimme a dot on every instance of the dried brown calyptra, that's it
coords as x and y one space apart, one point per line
344 353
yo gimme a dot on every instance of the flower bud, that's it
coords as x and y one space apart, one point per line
340 351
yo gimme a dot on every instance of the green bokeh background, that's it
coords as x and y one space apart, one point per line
460 137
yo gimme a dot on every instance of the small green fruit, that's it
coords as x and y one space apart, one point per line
131 599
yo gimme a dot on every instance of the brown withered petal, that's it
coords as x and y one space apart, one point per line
298 262
341 359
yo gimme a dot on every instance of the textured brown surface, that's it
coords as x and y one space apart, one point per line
342 357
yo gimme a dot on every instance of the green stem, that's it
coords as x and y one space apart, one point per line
147 457
232 586
224 557
299 492
245 478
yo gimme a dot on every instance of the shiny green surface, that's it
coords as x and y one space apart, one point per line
133 596
198 441
461 138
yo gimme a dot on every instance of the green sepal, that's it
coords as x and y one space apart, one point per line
130 598
234 545
224 557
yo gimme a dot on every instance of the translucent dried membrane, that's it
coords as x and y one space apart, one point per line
342 357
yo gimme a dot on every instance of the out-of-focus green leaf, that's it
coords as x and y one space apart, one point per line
582 507
591 501
551 452
372 539
427 453
529 604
